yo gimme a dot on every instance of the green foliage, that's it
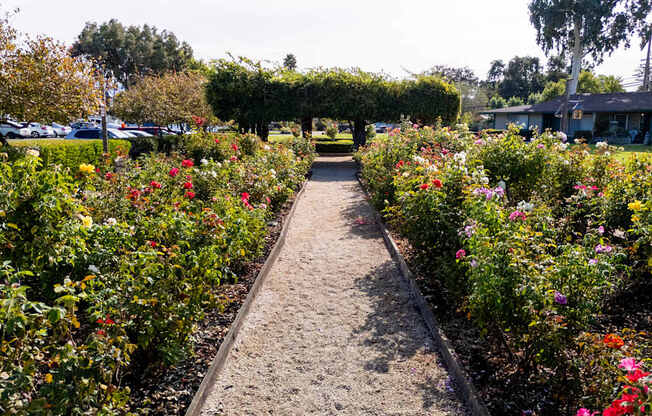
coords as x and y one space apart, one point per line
71 153
588 83
106 273
532 240
331 130
514 101
497 102
130 52
522 77
603 25
339 146
253 95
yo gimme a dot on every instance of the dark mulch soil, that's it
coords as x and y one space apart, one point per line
502 388
170 390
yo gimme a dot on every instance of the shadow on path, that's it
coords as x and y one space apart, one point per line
397 333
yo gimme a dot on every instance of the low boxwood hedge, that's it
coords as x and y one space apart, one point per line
69 153
334 146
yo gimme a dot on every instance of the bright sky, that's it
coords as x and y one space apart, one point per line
375 35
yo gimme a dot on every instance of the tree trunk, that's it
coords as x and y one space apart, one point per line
306 126
243 126
263 130
577 57
359 133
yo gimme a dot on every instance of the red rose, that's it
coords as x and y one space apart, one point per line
187 185
233 159
234 147
101 332
187 163
153 243
217 141
108 176
190 194
244 196
437 183
155 185
424 186
174 172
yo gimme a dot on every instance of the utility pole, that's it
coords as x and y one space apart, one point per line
646 76
105 138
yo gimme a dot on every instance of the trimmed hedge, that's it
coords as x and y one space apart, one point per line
70 153
338 146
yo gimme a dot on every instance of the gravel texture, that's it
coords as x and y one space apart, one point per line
332 331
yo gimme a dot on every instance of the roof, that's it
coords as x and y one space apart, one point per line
619 102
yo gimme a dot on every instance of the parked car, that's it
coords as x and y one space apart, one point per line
154 131
83 125
61 130
138 133
13 130
96 134
37 130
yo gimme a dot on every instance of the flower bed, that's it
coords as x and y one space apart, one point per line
107 271
539 254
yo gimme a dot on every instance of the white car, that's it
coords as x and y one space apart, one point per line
137 133
95 134
37 130
13 130
61 130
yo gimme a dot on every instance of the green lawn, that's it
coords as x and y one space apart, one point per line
631 150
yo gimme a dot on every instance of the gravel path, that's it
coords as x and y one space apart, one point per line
332 331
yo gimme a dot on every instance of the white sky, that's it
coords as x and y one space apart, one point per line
375 35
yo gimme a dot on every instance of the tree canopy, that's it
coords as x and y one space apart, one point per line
588 83
132 52
252 95
290 62
40 81
175 97
587 27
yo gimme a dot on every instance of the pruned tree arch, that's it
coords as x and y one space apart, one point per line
245 91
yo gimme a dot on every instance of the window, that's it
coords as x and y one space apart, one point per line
621 120
87 134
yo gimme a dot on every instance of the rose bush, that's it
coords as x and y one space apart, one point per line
531 240
108 269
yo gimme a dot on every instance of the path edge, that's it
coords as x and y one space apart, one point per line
456 371
198 400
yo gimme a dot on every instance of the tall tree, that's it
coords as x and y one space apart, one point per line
556 68
290 62
132 52
522 77
474 93
587 27
496 72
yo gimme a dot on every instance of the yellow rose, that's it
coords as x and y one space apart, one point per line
48 378
636 218
86 169
635 206
86 221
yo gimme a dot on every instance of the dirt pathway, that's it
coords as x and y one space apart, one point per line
332 331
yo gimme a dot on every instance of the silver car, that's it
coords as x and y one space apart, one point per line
61 130
95 134
37 130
